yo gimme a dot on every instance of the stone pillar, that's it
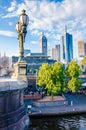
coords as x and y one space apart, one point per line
12 109
20 71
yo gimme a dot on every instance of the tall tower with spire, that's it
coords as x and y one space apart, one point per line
43 44
66 47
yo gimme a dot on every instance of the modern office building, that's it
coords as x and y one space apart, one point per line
43 44
66 47
54 53
80 48
27 52
85 47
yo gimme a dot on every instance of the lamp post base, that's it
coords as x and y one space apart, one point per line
20 70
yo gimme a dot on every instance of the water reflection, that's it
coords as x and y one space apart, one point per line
76 122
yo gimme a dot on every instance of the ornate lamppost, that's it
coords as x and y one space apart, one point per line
21 28
20 68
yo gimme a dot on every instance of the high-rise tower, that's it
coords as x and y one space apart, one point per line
55 53
81 48
66 47
85 47
43 44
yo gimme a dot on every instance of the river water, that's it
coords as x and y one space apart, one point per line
72 122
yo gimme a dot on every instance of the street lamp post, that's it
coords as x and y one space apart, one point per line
20 68
21 28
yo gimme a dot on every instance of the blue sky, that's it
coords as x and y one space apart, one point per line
48 16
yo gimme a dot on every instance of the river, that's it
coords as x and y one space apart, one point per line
72 122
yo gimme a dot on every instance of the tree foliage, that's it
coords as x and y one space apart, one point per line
73 69
52 77
83 61
74 84
43 75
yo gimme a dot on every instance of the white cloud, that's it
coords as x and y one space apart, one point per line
78 35
7 33
52 17
10 23
33 42
13 6
47 15
15 10
35 32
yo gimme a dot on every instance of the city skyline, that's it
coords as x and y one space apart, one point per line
48 16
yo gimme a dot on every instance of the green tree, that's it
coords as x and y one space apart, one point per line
73 69
72 73
52 78
58 76
42 77
83 61
74 84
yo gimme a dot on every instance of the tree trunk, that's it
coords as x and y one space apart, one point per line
51 98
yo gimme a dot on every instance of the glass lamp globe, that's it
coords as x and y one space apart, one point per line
18 27
23 19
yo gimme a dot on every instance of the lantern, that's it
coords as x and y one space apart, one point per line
18 27
23 19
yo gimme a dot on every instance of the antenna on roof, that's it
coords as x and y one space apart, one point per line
66 28
42 33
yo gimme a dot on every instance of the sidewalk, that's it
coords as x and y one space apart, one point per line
59 110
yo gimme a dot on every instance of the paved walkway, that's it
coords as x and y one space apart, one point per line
78 99
78 105
60 110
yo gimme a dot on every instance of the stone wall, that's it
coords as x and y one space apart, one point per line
10 101
13 114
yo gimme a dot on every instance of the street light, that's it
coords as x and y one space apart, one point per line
21 28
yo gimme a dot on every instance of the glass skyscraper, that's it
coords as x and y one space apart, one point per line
43 44
66 47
